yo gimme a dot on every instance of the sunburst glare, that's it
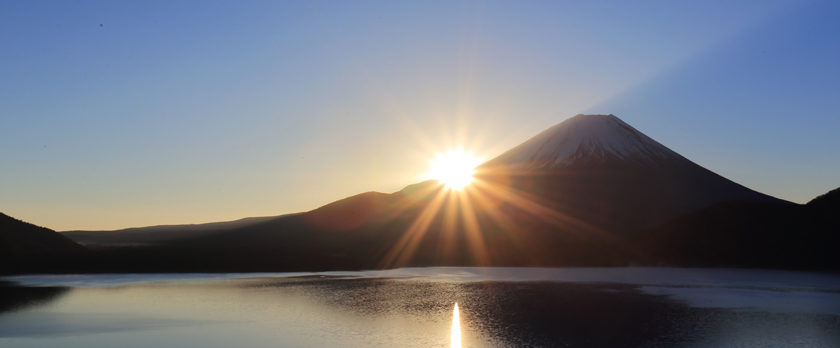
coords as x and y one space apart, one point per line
454 168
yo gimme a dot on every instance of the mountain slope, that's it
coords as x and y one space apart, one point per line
155 235
603 171
752 234
24 246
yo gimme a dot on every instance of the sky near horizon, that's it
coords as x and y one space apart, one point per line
118 114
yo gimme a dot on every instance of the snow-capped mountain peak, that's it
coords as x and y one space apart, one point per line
586 140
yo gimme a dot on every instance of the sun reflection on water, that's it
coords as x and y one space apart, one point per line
456 328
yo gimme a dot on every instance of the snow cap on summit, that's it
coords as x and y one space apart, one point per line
586 140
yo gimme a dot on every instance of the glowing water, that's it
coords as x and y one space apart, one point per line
456 328
402 308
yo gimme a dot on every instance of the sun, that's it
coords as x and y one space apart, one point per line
454 168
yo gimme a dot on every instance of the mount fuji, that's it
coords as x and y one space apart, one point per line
599 169
589 191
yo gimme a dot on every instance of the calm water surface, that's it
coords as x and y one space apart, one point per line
413 307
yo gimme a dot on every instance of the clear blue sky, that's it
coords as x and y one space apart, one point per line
117 114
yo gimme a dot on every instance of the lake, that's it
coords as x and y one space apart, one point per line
413 307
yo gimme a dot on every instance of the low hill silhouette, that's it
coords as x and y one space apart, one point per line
25 247
752 234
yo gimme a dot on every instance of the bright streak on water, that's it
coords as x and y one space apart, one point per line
456 328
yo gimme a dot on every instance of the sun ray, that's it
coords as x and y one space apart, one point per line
475 239
448 237
535 206
503 221
490 203
403 251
